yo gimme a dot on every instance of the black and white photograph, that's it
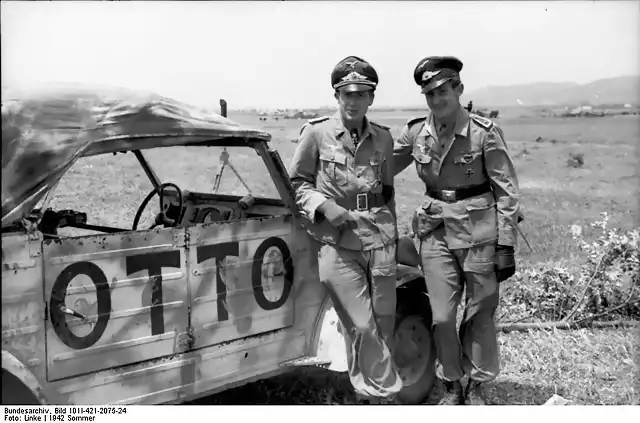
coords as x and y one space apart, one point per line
276 203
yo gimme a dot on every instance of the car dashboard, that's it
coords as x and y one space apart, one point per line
201 208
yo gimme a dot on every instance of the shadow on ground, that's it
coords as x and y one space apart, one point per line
514 393
303 386
322 387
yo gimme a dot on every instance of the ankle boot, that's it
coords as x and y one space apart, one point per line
453 394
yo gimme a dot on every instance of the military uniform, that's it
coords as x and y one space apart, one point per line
357 264
471 207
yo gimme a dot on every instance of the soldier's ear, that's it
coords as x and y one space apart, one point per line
372 96
460 89
336 94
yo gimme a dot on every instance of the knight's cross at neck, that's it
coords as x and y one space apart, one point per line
354 136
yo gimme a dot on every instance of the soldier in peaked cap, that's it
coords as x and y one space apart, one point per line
342 172
466 225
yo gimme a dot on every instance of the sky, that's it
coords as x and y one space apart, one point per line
280 54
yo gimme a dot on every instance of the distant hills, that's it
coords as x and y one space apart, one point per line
610 91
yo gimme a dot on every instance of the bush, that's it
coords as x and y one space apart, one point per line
575 160
607 285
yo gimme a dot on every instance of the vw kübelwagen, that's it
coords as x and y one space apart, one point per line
216 291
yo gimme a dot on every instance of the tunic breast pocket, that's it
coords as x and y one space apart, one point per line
334 166
423 160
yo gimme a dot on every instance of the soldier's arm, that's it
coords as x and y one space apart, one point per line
402 149
388 175
302 173
504 182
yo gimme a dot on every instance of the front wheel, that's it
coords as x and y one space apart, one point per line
414 350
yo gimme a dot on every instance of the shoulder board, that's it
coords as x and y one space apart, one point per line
313 122
379 125
483 122
415 120
318 120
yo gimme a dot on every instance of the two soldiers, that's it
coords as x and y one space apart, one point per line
343 173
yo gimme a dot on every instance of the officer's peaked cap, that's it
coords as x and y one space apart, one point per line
434 71
354 74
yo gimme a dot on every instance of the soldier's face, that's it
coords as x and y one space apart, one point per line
354 105
444 101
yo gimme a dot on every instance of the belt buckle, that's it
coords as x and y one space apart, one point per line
449 195
362 202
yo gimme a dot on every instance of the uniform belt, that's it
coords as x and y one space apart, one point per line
458 194
366 201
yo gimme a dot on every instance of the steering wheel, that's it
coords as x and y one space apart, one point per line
162 217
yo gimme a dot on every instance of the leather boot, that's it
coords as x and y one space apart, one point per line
474 394
453 394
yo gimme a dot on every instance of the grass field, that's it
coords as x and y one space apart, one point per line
585 367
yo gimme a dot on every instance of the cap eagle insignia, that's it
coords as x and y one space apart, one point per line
427 75
354 76
352 64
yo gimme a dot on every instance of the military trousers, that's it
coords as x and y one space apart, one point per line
362 286
473 350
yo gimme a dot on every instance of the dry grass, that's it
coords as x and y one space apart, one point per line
586 366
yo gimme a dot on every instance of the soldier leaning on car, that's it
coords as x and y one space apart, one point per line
342 172
466 226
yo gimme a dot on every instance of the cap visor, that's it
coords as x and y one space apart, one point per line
350 88
435 84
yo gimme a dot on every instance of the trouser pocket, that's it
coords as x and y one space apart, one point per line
426 219
483 220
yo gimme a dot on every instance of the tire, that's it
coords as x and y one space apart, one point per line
414 350
14 392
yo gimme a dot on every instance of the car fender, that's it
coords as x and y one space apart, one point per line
328 344
13 366
405 274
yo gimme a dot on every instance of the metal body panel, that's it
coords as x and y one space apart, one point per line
132 289
23 310
241 279
183 376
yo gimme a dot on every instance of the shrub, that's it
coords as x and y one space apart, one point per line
607 285
575 160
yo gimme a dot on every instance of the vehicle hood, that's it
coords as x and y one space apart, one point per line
46 129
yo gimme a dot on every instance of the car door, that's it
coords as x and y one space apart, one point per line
241 279
132 289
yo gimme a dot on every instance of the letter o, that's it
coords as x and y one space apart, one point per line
256 273
58 294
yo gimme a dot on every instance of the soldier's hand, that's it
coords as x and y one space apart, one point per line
338 216
505 262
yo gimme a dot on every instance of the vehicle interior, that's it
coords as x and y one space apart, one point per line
178 207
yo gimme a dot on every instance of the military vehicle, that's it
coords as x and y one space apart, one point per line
221 290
